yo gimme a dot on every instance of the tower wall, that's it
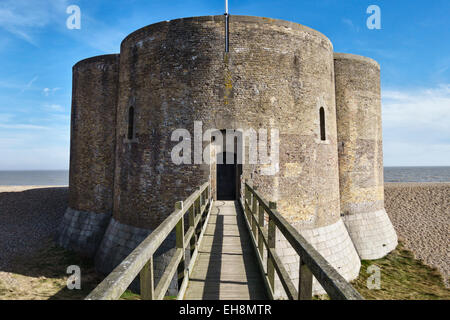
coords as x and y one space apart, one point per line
91 179
277 75
282 73
358 104
167 73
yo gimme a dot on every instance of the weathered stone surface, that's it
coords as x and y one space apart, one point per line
91 179
82 231
358 105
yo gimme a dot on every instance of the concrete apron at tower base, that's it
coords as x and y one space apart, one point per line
332 242
82 231
372 233
121 239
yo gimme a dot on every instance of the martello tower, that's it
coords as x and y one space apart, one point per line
276 75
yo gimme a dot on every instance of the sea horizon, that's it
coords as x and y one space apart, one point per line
392 174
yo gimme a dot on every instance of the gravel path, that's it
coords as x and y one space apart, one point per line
420 213
28 216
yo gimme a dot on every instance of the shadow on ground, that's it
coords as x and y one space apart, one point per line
31 264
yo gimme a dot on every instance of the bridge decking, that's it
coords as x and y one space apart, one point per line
226 267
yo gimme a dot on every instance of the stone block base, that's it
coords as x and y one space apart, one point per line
82 231
332 242
372 233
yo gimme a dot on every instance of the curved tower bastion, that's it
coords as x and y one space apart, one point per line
358 104
92 148
174 75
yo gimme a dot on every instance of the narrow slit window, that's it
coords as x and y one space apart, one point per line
322 124
130 123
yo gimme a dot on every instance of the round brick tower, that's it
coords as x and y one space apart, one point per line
278 75
94 95
358 104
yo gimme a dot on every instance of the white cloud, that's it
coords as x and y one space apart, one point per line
34 147
20 126
351 25
29 84
47 91
416 126
54 107
422 109
23 17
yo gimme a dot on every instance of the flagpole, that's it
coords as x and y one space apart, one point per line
227 27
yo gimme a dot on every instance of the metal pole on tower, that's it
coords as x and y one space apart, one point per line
227 27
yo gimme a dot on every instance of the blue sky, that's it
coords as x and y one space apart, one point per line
37 53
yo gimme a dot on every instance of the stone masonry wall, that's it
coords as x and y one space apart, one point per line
358 105
92 149
277 75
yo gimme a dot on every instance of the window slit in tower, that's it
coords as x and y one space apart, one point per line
322 124
130 123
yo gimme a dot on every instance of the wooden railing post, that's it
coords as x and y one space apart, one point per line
209 192
247 200
250 207
197 212
147 281
202 202
271 242
193 242
305 282
261 226
253 214
179 231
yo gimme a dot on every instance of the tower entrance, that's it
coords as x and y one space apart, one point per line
226 177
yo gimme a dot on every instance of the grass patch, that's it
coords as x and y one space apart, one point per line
129 295
402 278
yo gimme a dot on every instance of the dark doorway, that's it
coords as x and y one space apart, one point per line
226 177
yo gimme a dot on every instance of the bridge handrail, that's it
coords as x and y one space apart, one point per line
311 261
140 260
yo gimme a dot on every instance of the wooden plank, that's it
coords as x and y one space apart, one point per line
192 237
179 233
147 281
305 283
253 214
225 267
260 233
271 245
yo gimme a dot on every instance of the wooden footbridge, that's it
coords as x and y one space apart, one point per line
231 245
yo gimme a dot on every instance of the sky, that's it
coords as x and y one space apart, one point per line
37 52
